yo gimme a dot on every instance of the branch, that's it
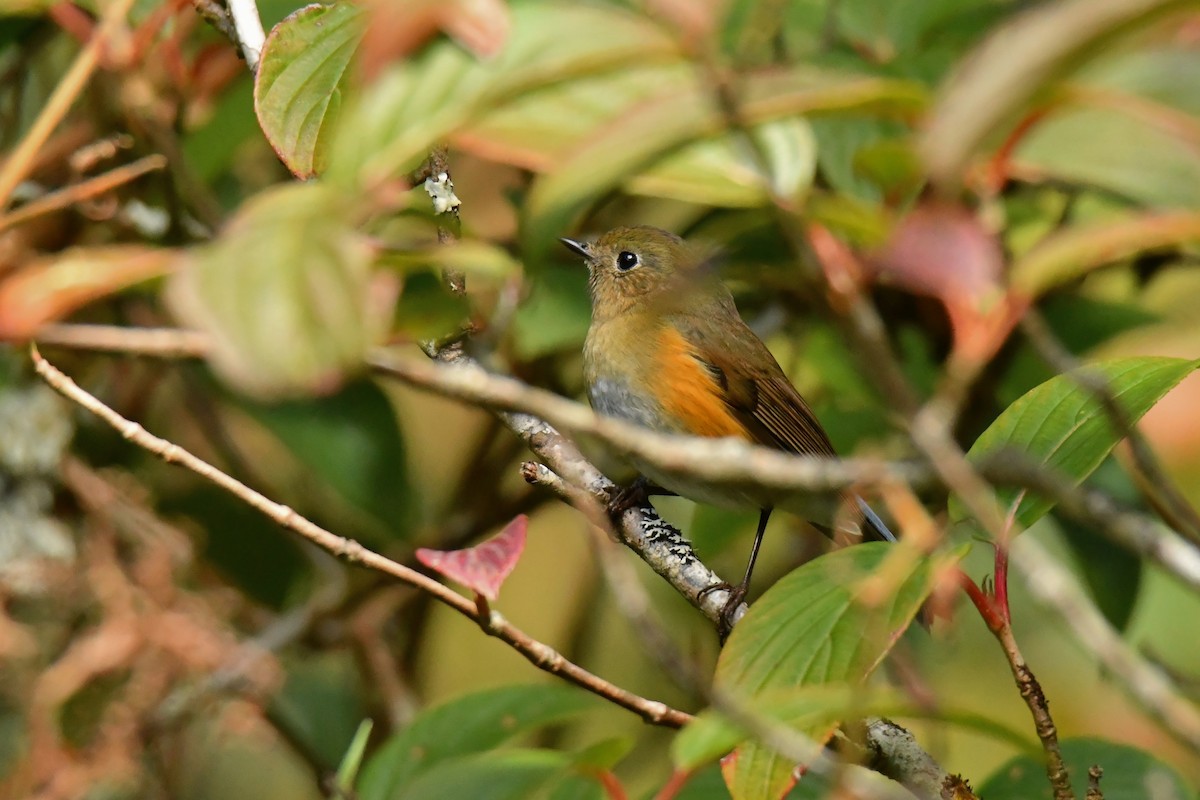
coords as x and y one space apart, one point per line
728 462
248 26
172 343
541 655
83 190
1143 535
657 543
1151 478
1146 684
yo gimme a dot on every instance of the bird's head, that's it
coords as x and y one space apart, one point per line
640 267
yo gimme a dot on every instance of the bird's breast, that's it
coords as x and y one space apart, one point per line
651 375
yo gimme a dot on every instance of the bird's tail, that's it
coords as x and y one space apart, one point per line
873 528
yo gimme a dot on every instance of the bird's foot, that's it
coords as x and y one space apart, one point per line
737 595
635 494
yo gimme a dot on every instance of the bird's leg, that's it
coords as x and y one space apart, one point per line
635 494
738 593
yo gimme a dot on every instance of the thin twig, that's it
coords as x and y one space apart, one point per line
249 29
1145 683
1143 535
1154 481
716 460
170 343
84 190
20 161
215 14
541 655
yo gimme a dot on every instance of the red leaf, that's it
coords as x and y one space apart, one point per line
943 251
484 567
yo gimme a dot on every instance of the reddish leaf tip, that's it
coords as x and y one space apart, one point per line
484 567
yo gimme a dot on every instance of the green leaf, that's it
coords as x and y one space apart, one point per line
320 706
389 130
1063 426
839 141
471 724
1129 774
556 314
722 171
1073 252
348 769
1112 575
352 442
1080 323
300 81
811 628
479 261
1140 160
998 80
286 293
500 775
1128 126
539 129
680 115
711 735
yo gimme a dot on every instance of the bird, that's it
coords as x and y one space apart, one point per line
668 350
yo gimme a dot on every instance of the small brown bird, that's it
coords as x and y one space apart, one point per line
668 350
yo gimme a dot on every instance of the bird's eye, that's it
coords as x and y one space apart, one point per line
627 261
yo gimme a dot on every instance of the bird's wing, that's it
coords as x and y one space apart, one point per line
753 385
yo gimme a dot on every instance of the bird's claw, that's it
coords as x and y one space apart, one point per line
725 620
624 498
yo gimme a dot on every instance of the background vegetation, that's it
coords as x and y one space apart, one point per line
228 253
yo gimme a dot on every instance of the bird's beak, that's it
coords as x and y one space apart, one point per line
578 248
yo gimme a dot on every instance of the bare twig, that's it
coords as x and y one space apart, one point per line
1145 683
216 15
897 755
718 461
660 545
84 190
1143 535
154 342
492 623
20 161
1154 482
248 26
722 461
1095 773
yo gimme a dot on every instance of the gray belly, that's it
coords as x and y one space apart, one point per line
612 398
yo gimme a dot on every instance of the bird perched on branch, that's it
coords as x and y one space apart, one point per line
668 350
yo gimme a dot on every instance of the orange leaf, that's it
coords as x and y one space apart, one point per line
52 288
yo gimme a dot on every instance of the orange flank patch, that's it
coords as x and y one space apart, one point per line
689 393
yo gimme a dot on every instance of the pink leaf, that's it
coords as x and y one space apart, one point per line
484 567
943 251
